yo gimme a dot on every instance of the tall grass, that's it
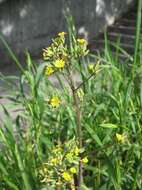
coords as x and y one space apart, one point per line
98 119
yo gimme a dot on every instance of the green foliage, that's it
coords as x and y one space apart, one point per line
84 134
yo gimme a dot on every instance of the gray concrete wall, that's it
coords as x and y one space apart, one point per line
30 24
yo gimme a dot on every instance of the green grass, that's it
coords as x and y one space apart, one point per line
106 103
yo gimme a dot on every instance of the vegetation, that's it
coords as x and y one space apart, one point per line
81 135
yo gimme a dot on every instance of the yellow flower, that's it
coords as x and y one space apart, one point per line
49 70
61 34
47 53
76 151
58 149
85 160
91 68
120 137
82 41
55 101
54 161
73 170
69 157
59 63
67 177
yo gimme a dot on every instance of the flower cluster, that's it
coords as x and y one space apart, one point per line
58 54
81 47
62 165
55 54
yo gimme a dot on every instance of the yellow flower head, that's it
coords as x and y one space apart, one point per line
57 149
85 160
49 70
73 170
59 63
61 34
54 161
67 177
55 101
47 53
82 42
91 68
120 137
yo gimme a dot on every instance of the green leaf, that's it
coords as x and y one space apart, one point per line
109 125
93 135
22 169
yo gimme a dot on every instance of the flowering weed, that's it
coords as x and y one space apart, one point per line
84 135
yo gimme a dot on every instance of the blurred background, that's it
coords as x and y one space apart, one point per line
30 24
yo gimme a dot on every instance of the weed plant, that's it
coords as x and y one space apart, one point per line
84 135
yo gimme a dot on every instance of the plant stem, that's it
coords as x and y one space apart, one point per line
79 132
79 127
80 85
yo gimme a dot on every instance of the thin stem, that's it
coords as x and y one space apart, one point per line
81 84
82 75
79 127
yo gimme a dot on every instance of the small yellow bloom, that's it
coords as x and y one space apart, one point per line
49 70
58 149
85 160
120 137
69 157
47 53
82 41
61 34
67 177
76 151
45 169
73 170
54 161
55 101
91 68
59 63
